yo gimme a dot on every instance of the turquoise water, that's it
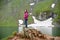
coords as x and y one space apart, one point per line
56 31
6 31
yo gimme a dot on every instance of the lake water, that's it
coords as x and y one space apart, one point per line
6 31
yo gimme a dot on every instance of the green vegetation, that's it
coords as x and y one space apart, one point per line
13 10
46 6
42 6
57 11
7 14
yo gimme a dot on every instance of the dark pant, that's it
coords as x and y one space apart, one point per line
25 23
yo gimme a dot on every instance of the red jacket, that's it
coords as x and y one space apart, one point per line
26 15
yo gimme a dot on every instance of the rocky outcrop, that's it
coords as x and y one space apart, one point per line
31 34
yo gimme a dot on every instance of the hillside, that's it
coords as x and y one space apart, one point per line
11 11
42 6
46 6
57 11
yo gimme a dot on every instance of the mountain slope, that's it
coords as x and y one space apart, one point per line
11 11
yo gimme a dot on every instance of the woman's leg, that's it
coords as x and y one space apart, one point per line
26 23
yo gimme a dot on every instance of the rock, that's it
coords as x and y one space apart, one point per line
57 38
32 34
49 37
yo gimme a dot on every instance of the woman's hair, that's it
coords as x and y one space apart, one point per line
26 10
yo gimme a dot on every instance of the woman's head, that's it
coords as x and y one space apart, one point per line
26 11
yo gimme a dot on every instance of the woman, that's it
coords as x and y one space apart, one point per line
25 17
